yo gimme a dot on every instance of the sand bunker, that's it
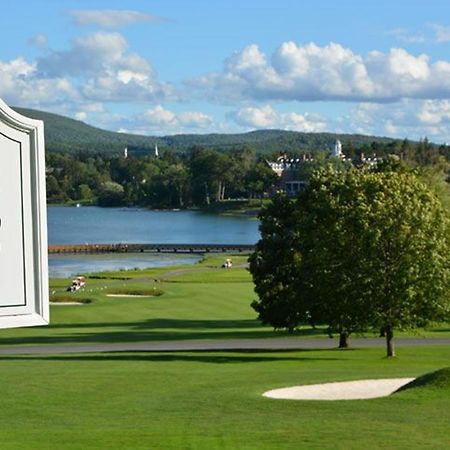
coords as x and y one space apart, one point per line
346 390
130 295
68 303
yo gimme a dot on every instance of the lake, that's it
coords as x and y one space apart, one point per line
70 225
67 225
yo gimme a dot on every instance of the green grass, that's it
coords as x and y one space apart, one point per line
212 400
438 381
249 208
202 301
203 400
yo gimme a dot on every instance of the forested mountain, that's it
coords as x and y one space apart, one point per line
67 135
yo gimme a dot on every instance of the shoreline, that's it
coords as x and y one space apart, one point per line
238 208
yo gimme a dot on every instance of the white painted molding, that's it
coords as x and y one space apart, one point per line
23 228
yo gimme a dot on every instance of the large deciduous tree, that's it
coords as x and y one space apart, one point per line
371 250
275 267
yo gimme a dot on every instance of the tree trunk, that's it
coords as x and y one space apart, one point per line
219 192
206 194
389 341
343 340
223 192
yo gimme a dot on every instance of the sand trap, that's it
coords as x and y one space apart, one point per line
346 390
68 303
130 295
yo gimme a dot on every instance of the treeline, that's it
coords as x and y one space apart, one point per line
202 176
171 181
65 135
417 153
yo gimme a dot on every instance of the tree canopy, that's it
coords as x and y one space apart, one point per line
372 250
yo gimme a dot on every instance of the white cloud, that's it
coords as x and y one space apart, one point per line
160 121
332 72
94 107
96 68
90 54
21 85
432 33
88 110
442 33
267 117
435 113
81 115
110 72
39 40
404 35
110 18
408 118
159 116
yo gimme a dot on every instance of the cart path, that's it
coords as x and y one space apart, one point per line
218 344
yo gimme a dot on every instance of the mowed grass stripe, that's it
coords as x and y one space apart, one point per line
209 400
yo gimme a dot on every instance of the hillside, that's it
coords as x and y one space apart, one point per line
63 134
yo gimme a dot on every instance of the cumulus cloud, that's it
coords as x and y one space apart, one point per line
408 118
110 18
332 72
96 68
176 122
111 72
88 54
267 117
159 121
21 84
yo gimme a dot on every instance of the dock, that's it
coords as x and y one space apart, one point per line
149 248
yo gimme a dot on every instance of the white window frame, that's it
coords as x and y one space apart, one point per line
28 134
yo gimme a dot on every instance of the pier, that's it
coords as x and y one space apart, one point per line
149 248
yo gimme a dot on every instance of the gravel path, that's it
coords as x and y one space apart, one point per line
211 345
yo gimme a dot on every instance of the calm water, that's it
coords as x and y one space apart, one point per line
68 225
65 266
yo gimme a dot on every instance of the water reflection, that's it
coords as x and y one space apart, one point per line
66 266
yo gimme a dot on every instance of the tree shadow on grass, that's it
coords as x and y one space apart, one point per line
438 330
160 323
160 329
202 356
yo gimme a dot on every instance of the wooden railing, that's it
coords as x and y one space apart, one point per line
151 248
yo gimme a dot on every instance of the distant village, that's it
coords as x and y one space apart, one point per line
204 177
288 169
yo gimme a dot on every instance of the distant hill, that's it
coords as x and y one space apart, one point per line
63 134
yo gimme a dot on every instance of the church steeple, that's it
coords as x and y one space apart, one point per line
337 150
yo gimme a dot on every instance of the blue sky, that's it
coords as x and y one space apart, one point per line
165 67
